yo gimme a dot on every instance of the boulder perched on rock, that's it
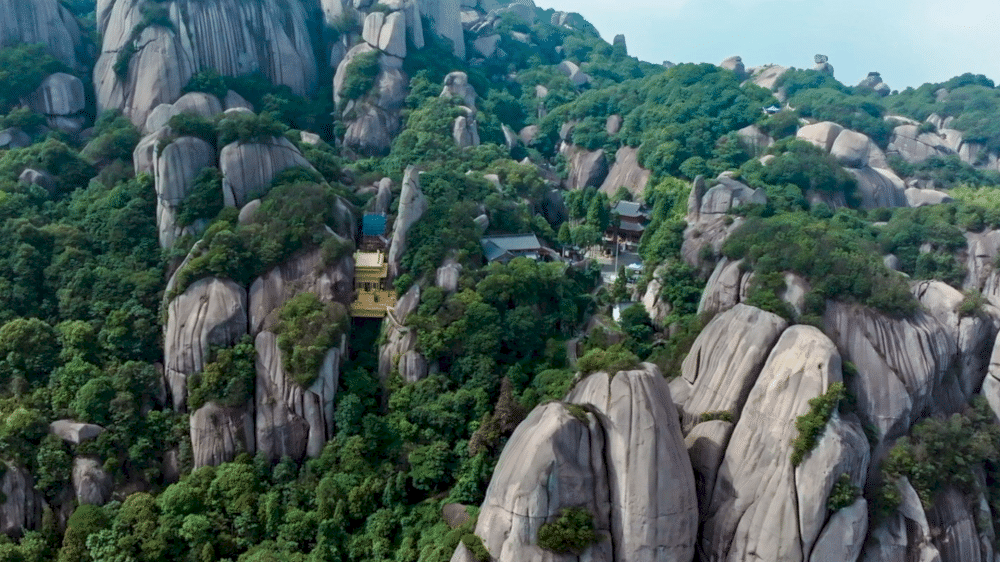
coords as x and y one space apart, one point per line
823 65
373 119
230 36
61 99
736 65
709 225
210 312
822 134
75 432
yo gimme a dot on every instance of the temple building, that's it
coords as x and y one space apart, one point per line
373 294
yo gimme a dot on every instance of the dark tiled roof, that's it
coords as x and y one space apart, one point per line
628 209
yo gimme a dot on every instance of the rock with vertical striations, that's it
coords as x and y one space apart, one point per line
843 536
233 37
587 168
392 37
41 21
249 168
290 419
21 507
412 206
176 169
211 311
728 286
219 433
706 445
903 536
724 362
554 460
763 507
957 536
61 99
399 339
446 16
654 509
304 272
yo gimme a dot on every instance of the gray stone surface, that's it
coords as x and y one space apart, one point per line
626 172
219 433
176 169
210 312
91 484
412 206
74 432
230 36
22 505
587 168
249 168
41 21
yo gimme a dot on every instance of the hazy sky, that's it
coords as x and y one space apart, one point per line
908 41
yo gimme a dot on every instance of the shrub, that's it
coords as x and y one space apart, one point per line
22 69
307 329
572 532
724 415
476 547
972 303
248 127
228 379
843 493
812 424
611 360
360 76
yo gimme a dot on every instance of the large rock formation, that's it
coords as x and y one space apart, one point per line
41 21
763 507
210 312
728 286
929 363
626 172
654 510
305 272
915 146
249 168
21 509
412 206
905 535
400 341
878 185
553 460
292 420
725 361
176 168
219 433
447 22
142 67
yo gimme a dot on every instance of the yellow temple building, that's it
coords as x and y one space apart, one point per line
372 294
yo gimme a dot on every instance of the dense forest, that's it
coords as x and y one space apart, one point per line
178 275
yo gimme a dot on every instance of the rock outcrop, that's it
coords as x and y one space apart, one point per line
553 460
626 172
400 341
763 507
292 420
41 21
736 65
249 168
219 433
21 509
142 67
654 510
724 362
905 535
587 168
374 118
73 432
176 169
412 206
210 312
91 484
823 64
305 272
708 223
728 286
446 15
61 99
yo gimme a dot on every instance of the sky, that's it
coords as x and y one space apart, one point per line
909 42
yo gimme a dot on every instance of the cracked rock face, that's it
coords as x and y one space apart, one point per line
41 21
764 508
231 36
619 453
